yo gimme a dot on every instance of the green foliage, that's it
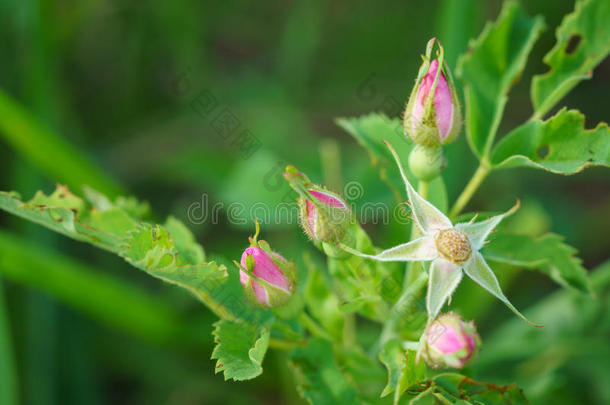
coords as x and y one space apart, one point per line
8 374
547 253
560 145
240 349
318 377
490 67
583 41
350 316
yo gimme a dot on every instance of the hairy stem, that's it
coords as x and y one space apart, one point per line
281 344
313 327
482 171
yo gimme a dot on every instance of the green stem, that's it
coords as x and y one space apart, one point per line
313 327
281 344
423 188
482 171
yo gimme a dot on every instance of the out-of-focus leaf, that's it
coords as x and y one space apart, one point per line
370 131
321 301
454 388
490 67
560 145
8 374
573 342
53 155
364 371
240 349
583 41
318 377
547 253
403 372
151 248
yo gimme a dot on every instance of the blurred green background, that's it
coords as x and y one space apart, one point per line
103 93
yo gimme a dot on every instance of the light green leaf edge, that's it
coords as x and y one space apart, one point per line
559 145
486 90
589 22
240 349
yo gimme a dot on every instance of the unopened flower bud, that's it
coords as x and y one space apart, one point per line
433 115
450 342
324 218
267 277
426 163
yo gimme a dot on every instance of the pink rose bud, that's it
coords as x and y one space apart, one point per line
433 115
267 277
450 342
325 217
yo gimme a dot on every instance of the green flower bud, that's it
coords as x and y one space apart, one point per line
426 163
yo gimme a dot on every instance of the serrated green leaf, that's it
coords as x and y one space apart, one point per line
367 374
491 67
403 372
318 377
370 131
152 248
547 253
583 41
560 145
185 242
240 349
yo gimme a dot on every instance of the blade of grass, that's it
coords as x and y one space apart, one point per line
52 154
8 374
97 294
